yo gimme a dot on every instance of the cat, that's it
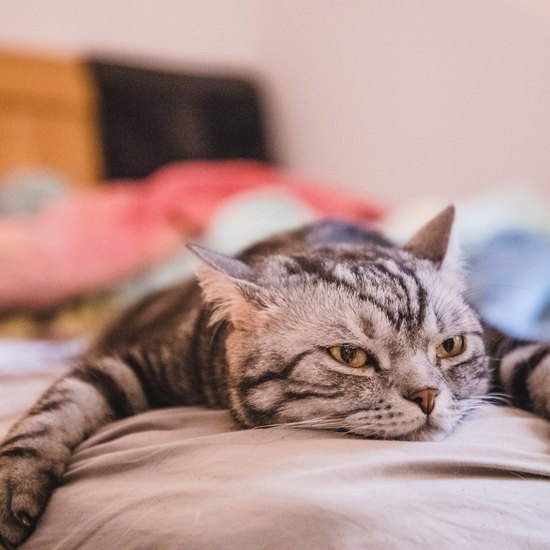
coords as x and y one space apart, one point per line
330 326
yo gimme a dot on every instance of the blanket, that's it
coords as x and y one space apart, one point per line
93 238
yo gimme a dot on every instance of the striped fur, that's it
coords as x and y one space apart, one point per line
255 339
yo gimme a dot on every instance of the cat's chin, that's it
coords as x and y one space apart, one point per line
432 429
426 431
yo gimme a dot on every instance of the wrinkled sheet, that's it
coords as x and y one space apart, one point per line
189 478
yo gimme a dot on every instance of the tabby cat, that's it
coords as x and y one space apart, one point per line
330 326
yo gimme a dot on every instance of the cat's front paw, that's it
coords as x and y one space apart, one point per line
26 484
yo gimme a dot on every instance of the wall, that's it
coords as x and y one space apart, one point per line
404 96
395 97
213 32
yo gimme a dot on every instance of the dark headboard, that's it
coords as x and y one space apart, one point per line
149 118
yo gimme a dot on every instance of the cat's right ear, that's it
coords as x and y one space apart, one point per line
227 284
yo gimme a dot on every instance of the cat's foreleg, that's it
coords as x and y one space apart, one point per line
522 369
525 374
35 453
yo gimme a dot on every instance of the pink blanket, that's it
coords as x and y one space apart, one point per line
96 237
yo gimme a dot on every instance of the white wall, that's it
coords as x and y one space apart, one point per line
213 32
407 96
399 97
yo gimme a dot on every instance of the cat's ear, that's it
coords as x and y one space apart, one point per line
229 266
228 285
434 241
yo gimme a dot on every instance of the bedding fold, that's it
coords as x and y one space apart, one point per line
187 478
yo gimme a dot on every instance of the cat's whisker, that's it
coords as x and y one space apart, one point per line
312 423
495 398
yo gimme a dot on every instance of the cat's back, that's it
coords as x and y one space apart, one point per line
162 314
322 235
155 316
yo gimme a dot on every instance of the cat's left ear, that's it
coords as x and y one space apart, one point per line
228 285
435 240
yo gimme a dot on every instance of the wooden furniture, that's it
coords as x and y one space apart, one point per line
48 117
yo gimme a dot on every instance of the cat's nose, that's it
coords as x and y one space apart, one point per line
425 399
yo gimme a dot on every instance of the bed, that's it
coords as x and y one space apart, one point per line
190 478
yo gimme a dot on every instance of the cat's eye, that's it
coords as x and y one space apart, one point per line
349 356
451 347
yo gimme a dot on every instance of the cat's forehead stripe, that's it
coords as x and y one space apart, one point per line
386 283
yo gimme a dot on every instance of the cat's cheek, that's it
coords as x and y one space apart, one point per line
266 397
468 384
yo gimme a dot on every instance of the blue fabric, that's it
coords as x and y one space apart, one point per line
509 283
25 192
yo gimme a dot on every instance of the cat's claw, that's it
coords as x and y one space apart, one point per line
24 518
24 491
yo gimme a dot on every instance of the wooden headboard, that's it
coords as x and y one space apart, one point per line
95 119
48 117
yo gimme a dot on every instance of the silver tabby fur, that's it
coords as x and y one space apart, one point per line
254 338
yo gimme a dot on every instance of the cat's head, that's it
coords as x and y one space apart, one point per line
372 339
